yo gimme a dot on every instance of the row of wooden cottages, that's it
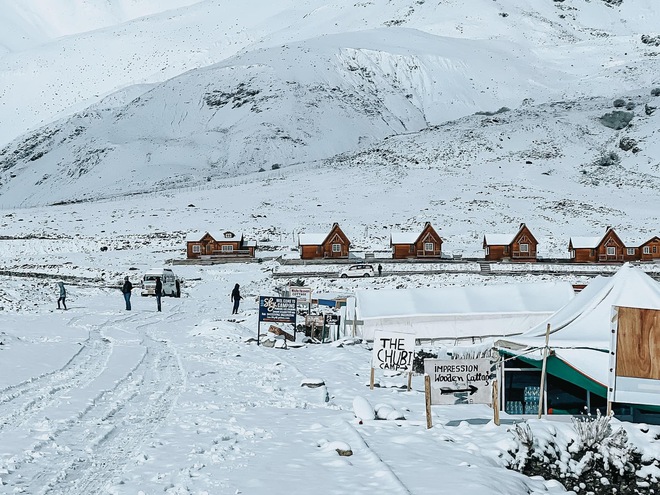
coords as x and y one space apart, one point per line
521 246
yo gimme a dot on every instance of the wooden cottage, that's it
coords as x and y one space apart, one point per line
427 244
319 246
521 246
650 250
219 245
608 248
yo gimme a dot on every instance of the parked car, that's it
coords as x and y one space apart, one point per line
358 271
171 283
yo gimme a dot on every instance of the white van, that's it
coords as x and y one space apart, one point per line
171 283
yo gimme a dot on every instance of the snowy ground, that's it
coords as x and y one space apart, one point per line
100 400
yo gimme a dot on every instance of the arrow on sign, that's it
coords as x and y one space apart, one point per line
448 391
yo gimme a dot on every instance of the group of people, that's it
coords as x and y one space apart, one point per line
127 289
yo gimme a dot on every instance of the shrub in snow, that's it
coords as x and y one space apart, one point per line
500 110
596 459
607 159
627 144
651 40
648 110
655 92
619 102
275 166
617 119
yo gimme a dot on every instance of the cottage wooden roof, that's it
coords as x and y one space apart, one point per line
404 237
585 242
311 239
499 239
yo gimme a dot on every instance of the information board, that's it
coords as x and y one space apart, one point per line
460 381
277 309
302 294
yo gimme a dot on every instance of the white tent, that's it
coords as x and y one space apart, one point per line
580 331
453 313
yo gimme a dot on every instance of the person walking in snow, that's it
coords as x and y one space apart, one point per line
126 290
380 269
158 291
236 297
62 298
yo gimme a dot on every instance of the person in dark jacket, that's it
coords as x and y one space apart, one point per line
126 290
236 297
62 298
380 269
158 291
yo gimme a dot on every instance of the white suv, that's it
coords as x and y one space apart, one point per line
171 283
358 271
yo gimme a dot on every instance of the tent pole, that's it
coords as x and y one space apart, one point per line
543 370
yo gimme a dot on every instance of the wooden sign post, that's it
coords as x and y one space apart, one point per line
427 396
459 381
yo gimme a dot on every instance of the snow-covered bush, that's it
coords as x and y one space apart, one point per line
655 92
607 159
619 102
594 459
627 144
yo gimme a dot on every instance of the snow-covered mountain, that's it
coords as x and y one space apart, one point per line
294 83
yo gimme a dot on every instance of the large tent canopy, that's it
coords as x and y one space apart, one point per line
580 331
453 313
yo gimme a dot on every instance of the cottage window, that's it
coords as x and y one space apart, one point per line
487 250
506 249
647 250
655 249
429 246
336 248
611 250
572 253
196 248
227 248
229 235
524 248
630 251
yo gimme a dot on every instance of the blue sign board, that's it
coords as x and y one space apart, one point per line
277 309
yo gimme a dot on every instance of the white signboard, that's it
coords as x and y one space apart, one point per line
393 351
460 381
303 294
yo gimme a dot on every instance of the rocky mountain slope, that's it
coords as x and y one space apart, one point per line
322 79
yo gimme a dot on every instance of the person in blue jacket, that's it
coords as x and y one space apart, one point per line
126 290
62 298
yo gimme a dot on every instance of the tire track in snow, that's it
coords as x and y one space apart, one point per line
19 403
86 451
125 427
